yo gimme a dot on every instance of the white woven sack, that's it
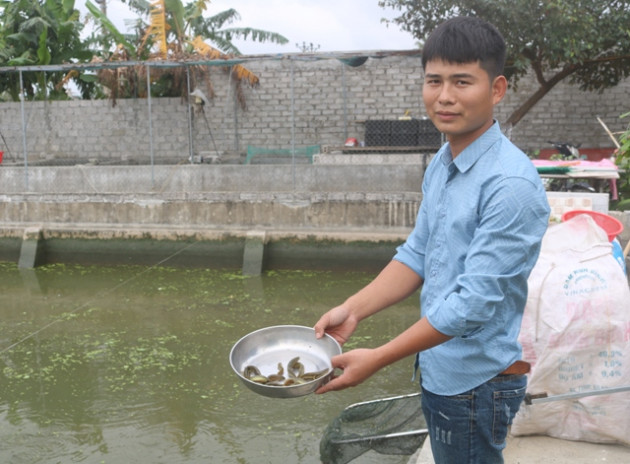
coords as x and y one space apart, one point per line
576 335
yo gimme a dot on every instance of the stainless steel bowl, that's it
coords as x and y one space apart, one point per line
267 347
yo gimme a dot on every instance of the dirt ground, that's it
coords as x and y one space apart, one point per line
548 450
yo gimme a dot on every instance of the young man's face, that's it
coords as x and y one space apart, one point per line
460 99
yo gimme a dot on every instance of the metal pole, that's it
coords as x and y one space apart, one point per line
573 395
23 133
293 123
345 101
236 135
150 126
190 128
234 107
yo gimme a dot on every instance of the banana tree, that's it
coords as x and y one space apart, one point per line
178 32
116 46
109 30
184 22
214 28
38 33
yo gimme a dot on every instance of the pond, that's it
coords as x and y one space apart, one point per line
114 364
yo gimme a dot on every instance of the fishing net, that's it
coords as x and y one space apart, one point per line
388 426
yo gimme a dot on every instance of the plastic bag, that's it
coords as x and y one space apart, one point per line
576 335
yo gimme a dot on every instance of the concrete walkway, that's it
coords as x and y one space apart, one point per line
547 450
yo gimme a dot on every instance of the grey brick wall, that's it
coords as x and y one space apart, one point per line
330 102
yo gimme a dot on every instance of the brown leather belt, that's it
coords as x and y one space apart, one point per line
518 368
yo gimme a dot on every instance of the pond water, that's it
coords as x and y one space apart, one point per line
130 364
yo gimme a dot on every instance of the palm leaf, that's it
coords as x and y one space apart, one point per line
201 5
107 24
239 72
43 54
228 16
257 35
140 5
194 11
177 15
33 26
73 74
68 6
157 27
24 59
225 45
20 37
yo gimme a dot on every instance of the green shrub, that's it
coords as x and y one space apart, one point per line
622 161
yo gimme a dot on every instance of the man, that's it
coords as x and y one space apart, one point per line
477 237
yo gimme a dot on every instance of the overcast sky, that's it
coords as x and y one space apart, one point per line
330 25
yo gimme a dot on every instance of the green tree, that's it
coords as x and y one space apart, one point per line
587 41
39 32
622 160
106 36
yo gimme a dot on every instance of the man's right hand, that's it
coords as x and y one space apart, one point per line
339 323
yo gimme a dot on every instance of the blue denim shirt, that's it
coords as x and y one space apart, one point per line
476 239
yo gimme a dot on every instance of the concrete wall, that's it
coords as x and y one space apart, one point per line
213 196
184 180
379 197
231 211
330 102
100 214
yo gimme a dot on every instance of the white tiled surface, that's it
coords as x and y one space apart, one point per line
560 205
561 202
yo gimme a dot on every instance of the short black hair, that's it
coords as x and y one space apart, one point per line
465 39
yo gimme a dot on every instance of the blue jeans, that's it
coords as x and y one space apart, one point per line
471 428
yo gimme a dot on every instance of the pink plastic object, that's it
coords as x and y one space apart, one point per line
612 226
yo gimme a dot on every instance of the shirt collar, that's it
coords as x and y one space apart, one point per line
469 156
